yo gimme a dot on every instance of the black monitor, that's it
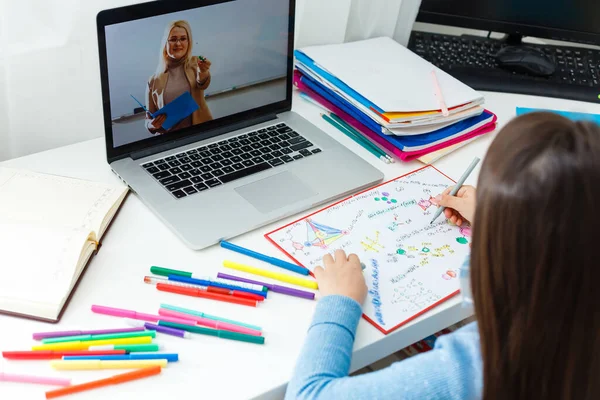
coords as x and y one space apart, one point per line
567 20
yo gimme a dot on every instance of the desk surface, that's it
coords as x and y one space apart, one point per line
211 367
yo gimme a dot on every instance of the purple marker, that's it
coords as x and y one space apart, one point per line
158 328
48 335
275 288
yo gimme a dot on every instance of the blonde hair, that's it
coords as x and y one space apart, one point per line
162 58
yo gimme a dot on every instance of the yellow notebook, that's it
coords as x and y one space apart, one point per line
50 226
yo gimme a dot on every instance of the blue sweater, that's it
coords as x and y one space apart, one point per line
452 370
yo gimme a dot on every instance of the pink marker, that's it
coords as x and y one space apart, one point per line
119 312
210 322
40 380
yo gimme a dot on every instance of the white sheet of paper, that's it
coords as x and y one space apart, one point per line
411 265
389 75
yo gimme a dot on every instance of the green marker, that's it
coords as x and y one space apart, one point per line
166 272
208 316
86 338
217 282
215 332
201 58
130 348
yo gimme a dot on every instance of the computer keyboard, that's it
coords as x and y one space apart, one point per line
472 61
186 173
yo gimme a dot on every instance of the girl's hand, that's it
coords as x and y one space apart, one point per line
459 208
155 124
342 276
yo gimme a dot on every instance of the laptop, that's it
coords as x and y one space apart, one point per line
197 99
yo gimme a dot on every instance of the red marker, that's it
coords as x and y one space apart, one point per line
236 293
213 289
51 355
188 291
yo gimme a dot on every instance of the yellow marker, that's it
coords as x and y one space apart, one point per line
273 275
85 345
77 365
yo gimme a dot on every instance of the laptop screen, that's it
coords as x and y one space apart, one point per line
169 74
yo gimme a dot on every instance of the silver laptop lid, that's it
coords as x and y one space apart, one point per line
174 72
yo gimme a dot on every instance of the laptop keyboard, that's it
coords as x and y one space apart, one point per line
206 167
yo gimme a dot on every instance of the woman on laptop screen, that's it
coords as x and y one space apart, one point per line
179 77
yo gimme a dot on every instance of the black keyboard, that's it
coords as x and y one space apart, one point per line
206 167
472 61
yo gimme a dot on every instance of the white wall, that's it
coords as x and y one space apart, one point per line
50 81
50 87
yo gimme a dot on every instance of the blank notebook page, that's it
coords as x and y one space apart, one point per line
30 197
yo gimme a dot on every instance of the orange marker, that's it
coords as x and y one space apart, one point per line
113 380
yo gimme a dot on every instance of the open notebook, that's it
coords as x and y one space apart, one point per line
49 228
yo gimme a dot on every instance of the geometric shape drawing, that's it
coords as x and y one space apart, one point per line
372 244
321 235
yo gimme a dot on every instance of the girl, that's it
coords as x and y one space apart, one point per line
533 275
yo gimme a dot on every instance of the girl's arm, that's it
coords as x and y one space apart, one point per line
451 371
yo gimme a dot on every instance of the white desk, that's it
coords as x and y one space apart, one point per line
210 367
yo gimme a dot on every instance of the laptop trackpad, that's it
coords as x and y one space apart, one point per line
276 191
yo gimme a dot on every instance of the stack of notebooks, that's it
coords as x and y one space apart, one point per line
396 99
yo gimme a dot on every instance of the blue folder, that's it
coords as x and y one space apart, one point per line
575 116
177 110
304 59
404 143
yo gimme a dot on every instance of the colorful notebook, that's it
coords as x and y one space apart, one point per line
386 142
385 76
411 265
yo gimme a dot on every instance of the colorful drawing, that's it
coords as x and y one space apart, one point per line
424 204
449 275
414 296
321 235
386 198
372 244
465 231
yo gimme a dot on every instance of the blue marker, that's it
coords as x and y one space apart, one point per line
202 282
271 260
153 356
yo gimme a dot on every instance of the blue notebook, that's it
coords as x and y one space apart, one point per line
575 116
404 143
177 110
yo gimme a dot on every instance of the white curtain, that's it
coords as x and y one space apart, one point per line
49 86
338 21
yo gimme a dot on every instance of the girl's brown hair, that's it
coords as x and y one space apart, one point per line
534 263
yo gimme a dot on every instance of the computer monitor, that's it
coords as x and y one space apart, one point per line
573 21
